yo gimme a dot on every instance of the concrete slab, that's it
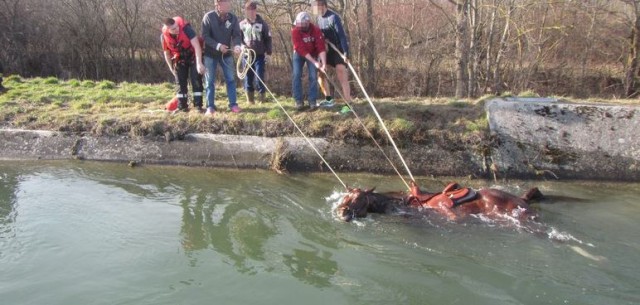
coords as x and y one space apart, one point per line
586 141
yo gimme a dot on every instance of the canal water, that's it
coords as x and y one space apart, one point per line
102 233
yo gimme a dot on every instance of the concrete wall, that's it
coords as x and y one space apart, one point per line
530 139
553 139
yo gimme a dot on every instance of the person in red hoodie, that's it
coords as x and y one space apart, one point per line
309 48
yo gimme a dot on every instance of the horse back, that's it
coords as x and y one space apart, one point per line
502 200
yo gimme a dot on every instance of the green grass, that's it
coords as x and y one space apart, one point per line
528 93
106 107
109 108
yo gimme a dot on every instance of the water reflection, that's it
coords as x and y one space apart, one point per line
276 234
313 267
244 218
248 228
8 189
230 228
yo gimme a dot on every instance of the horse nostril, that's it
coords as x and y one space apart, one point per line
347 215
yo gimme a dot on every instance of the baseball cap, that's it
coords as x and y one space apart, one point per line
302 17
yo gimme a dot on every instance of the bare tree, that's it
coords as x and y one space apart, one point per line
633 58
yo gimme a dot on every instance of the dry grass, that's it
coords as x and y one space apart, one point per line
107 108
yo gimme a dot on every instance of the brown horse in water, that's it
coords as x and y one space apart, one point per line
453 202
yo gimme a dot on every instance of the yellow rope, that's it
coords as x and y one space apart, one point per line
384 127
244 74
355 114
250 58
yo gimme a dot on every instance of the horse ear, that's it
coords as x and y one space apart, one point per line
370 190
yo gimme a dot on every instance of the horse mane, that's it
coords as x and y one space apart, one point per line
380 202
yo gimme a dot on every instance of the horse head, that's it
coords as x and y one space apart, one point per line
355 204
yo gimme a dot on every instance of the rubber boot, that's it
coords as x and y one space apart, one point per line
197 103
183 104
263 98
251 97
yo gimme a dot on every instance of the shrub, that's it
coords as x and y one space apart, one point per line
74 83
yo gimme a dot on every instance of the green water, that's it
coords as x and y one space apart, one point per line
96 233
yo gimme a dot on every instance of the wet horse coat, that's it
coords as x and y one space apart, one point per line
453 202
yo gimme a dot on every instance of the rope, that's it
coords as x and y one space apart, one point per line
250 59
367 130
245 70
374 110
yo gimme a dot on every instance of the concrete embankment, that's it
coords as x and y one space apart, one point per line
530 139
574 141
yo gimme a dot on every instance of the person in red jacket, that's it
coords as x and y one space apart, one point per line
309 48
183 54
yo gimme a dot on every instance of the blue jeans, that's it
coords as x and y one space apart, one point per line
228 69
249 82
298 65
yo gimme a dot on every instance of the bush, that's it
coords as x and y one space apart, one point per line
74 83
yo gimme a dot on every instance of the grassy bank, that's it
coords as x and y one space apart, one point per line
107 108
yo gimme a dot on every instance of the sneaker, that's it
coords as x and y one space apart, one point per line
313 108
199 109
235 109
345 109
327 103
300 107
210 111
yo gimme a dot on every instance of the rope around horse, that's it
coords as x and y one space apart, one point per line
242 73
374 109
355 114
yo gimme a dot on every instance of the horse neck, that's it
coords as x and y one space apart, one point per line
379 203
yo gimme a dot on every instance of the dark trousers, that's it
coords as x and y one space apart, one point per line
249 81
184 72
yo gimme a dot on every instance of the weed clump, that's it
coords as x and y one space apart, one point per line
88 84
106 85
51 81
